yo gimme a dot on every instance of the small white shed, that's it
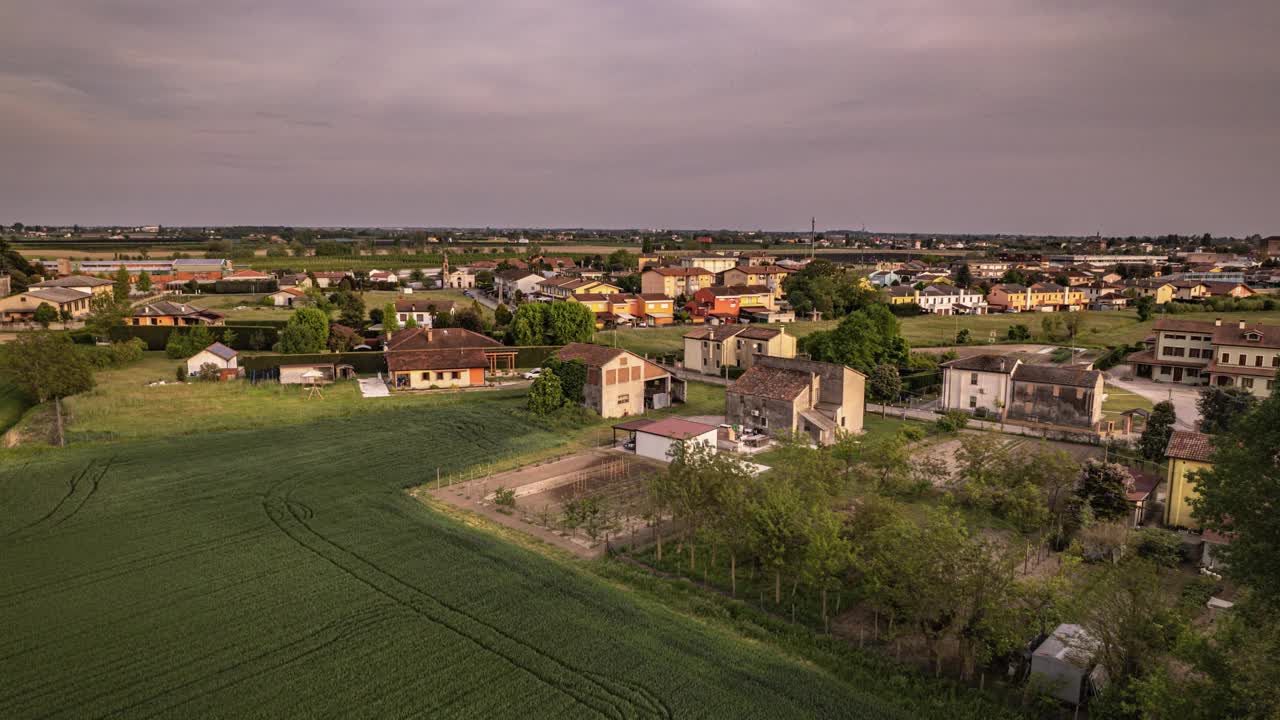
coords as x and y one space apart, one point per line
656 439
217 354
1064 662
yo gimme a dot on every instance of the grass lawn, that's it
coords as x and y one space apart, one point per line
1119 400
282 571
249 307
1101 329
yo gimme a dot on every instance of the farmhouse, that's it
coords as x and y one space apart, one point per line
508 283
429 369
219 356
172 313
1246 355
286 297
64 300
978 384
792 396
497 355
422 312
708 350
1056 395
83 283
619 382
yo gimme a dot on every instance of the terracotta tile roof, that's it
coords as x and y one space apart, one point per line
772 383
735 290
439 339
1251 335
1074 376
57 294
1185 445
1175 325
764 269
1216 367
451 359
72 281
676 428
164 308
590 355
679 271
755 332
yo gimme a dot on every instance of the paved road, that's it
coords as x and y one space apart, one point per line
1183 397
373 387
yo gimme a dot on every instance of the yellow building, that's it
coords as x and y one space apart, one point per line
675 281
770 276
709 350
1188 452
1161 292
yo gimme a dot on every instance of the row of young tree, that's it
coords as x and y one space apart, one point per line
875 524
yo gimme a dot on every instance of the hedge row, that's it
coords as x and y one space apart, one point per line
240 287
257 322
367 363
532 356
157 336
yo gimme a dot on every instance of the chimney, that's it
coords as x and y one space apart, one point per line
1217 322
1242 324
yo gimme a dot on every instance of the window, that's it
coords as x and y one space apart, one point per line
1275 360
1246 383
455 375
1257 361
1164 371
764 421
973 401
973 378
1226 358
426 376
624 398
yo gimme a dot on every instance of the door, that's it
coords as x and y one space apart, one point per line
1177 374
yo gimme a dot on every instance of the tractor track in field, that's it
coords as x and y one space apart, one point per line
90 472
604 696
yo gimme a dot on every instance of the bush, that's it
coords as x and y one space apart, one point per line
1162 547
953 421
911 433
504 497
1197 592
182 373
1018 332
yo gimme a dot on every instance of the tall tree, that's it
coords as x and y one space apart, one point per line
884 384
864 339
1155 436
1221 407
144 281
390 321
46 365
105 312
545 395
1240 494
306 332
1105 488
1145 306
120 289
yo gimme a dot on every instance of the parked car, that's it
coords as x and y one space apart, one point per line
533 374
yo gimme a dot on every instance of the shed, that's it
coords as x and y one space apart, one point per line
297 374
1064 661
657 439
217 354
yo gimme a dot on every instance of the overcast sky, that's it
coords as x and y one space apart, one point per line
1118 116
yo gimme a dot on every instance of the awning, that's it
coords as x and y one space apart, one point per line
660 315
817 419
756 309
625 316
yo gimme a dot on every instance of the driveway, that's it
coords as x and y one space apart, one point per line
1184 397
373 387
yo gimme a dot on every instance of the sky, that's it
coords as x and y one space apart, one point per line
1113 116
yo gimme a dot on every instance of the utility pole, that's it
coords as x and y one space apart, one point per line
813 226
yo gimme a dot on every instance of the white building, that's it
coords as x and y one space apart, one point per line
217 355
943 299
657 440
1064 663
977 384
